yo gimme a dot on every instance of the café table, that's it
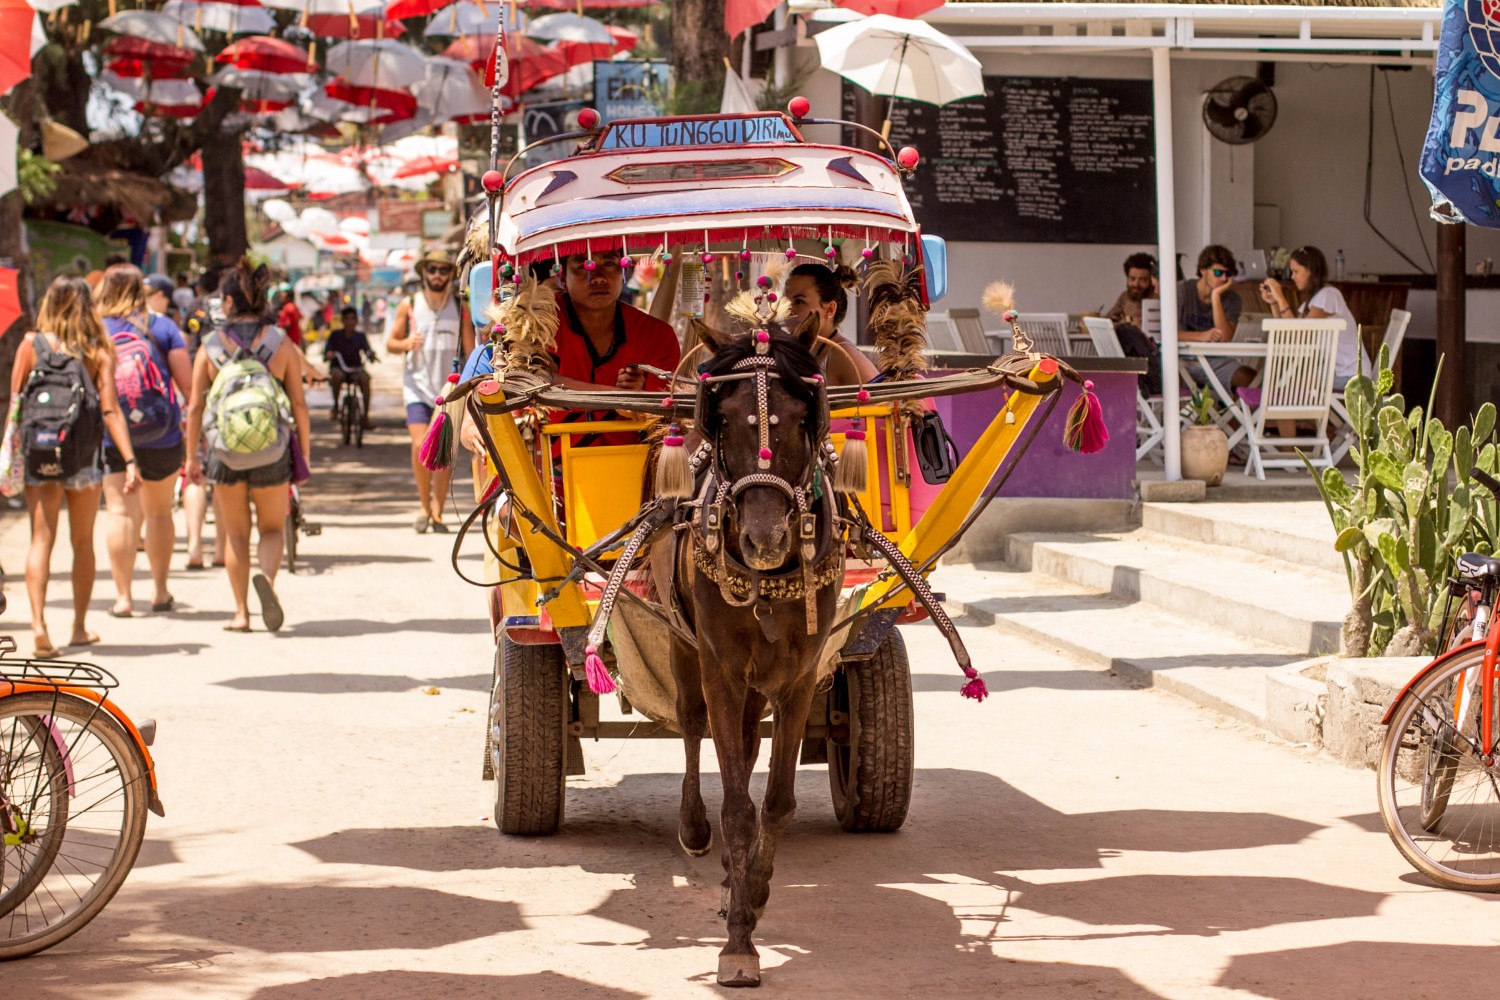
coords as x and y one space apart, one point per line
1200 354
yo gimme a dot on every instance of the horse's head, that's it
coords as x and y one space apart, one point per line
763 410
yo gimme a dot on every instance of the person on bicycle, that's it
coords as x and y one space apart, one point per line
350 347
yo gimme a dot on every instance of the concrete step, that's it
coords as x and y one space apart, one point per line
1293 607
1141 643
1295 531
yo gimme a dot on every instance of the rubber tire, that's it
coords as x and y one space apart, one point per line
487 772
53 773
1387 776
357 403
1446 766
871 777
529 720
135 785
290 532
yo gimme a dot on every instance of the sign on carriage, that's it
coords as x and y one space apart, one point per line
1461 157
699 132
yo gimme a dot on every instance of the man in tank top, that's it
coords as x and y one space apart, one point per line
434 332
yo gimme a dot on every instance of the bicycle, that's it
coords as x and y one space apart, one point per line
296 523
351 403
1439 773
76 782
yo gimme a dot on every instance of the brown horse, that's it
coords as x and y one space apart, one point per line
757 580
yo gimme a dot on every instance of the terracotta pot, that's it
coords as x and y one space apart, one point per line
1205 453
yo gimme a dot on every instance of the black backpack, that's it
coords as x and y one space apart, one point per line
62 423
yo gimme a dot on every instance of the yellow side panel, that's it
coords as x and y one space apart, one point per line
601 489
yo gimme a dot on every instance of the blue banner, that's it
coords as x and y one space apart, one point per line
1461 157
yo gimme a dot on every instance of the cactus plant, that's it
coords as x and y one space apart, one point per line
1410 512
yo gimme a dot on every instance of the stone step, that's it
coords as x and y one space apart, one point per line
1295 531
1143 644
1293 607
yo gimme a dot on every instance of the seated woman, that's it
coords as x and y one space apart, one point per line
1320 300
821 289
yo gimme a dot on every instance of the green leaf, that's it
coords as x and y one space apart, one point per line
1336 487
1487 458
1395 435
1484 422
1348 539
1385 469
1463 451
1359 400
1386 380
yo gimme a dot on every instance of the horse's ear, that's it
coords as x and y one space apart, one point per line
716 340
807 333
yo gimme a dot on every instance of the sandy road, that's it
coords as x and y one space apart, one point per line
327 834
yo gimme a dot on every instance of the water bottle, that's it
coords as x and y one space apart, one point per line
1338 266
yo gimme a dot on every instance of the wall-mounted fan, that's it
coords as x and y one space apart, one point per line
1238 110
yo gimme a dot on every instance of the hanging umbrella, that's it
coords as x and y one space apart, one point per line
377 63
152 26
471 17
9 132
396 104
269 55
153 53
224 18
452 91
360 26
569 28
588 4
530 61
262 92
424 165
135 69
895 57
257 179
341 8
10 298
581 53
171 99
400 10
16 21
895 8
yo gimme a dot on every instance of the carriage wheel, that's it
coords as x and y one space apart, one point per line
528 726
870 775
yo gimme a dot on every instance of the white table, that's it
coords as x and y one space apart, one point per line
1199 354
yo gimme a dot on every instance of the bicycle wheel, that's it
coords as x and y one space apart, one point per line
106 819
1458 845
357 404
348 417
1442 764
33 807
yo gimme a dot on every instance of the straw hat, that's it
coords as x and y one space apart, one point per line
434 255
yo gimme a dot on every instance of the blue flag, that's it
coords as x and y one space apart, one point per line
1461 157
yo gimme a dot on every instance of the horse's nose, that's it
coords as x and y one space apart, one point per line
767 548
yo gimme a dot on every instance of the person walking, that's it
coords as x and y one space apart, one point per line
69 343
151 359
436 335
249 414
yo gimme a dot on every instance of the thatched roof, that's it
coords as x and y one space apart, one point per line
80 182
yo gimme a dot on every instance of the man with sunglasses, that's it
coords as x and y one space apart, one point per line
1207 311
435 334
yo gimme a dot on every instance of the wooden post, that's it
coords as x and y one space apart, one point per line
1451 403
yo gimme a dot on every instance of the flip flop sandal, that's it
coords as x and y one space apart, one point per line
46 653
422 523
270 607
236 628
200 564
121 614
89 639
440 527
161 606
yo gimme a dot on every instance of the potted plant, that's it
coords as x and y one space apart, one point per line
1205 449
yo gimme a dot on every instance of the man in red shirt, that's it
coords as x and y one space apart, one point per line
289 317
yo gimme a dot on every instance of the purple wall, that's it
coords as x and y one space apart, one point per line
1049 469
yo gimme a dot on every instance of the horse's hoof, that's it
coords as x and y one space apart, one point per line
739 970
696 852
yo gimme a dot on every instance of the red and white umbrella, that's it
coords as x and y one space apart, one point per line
153 26
588 4
171 99
154 53
569 28
580 53
423 166
360 26
257 179
262 92
400 10
266 55
378 63
895 8
385 105
529 60
135 69
451 91
472 17
224 18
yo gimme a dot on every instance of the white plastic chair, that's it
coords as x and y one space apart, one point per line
1151 318
1395 335
1048 332
1395 332
942 334
971 331
1297 385
1148 429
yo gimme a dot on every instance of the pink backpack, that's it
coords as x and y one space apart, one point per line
146 396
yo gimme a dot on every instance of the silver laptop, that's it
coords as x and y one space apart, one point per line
1252 266
1249 330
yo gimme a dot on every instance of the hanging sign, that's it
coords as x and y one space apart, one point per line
1461 157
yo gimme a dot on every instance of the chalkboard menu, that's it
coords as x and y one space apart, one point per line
1036 160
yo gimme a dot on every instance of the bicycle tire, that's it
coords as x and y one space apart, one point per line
359 421
1461 849
293 519
106 822
1442 764
34 797
347 418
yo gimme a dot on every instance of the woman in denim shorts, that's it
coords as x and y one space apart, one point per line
71 327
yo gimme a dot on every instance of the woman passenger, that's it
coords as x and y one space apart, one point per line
1320 300
819 288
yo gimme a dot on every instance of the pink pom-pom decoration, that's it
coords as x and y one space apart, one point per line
790 253
666 401
764 281
771 296
762 337
830 252
1085 430
867 253
672 441
627 262
863 395
854 435
708 258
744 255
739 276
589 264
1009 315
593 665
453 380
765 453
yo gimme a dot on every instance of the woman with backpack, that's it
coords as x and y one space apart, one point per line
65 375
250 415
150 358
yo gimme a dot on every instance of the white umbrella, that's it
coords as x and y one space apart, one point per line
133 87
279 210
570 28
49 6
345 7
9 132
153 27
452 90
471 17
225 18
407 127
259 85
896 57
381 63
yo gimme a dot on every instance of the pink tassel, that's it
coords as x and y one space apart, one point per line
431 454
976 688
599 680
1085 431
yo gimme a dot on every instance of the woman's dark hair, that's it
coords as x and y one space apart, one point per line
1317 268
244 288
830 283
794 364
1141 262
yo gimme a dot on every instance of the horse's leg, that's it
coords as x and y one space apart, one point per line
755 707
693 831
739 965
792 708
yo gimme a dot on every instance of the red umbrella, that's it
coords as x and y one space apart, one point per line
155 53
10 297
895 8
400 10
531 62
581 53
586 4
257 179
135 69
398 103
267 54
362 26
15 45
427 165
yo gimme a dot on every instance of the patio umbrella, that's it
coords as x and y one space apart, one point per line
224 18
377 63
895 8
268 55
899 58
569 28
152 26
451 90
16 20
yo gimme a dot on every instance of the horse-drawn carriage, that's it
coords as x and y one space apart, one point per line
721 204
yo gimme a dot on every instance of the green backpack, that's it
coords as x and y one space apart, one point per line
247 422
